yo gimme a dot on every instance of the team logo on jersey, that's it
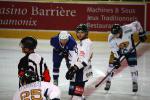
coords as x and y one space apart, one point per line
124 45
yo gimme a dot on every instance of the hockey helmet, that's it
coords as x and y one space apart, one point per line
82 28
63 35
28 42
29 76
116 28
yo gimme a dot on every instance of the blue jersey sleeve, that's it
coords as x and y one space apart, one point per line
71 43
55 42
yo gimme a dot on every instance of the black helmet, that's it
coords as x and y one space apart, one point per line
82 28
116 28
28 42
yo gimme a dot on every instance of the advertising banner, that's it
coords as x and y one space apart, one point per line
66 16
148 17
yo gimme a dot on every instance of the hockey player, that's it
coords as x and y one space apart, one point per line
64 46
121 42
81 71
32 89
32 61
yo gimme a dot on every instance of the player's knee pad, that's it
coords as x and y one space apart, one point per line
76 89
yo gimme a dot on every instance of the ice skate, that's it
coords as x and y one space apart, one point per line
55 82
135 87
108 84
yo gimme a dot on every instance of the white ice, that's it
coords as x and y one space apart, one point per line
121 89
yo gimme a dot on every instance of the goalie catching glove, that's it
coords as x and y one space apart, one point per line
71 72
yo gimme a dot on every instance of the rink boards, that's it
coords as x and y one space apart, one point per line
43 34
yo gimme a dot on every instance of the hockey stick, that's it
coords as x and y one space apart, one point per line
114 67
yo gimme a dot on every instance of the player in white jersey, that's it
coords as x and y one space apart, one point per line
81 71
32 89
121 42
32 61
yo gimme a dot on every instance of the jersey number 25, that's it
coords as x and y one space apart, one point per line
34 93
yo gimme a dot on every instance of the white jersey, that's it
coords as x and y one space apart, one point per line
85 53
37 91
126 42
33 62
72 56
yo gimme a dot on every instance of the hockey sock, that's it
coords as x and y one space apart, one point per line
111 75
55 73
134 73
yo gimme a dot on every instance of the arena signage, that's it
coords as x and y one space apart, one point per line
148 17
66 16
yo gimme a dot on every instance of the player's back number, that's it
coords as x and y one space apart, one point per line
35 94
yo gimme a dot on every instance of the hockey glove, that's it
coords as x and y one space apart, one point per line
124 51
65 54
71 72
142 36
61 52
120 52
116 63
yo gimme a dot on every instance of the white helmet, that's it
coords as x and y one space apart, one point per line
63 35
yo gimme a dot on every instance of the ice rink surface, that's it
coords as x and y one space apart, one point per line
121 89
